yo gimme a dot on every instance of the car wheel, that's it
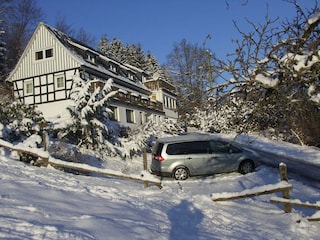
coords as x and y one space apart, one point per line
181 173
246 167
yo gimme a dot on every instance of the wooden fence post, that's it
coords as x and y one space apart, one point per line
285 193
45 140
145 164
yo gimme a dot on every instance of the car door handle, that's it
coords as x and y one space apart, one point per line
189 158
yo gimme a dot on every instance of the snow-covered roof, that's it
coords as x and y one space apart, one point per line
101 63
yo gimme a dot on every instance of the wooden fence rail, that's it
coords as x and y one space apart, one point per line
282 186
43 158
266 189
37 153
294 202
89 169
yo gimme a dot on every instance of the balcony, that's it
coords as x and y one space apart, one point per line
137 100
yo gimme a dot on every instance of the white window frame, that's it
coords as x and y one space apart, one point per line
130 75
91 58
115 112
112 67
131 118
39 55
28 87
48 53
57 81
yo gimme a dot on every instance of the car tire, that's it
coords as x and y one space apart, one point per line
180 173
246 166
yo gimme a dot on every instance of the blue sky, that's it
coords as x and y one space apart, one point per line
158 24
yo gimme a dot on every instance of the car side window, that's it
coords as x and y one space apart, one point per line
198 147
220 147
194 147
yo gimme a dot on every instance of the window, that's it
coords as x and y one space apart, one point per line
114 115
112 67
59 81
222 147
91 58
95 85
39 55
28 87
49 53
130 76
130 116
195 147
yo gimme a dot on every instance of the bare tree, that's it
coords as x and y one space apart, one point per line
62 25
276 66
81 35
20 20
85 38
188 64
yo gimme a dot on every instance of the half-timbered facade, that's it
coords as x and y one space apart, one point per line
44 77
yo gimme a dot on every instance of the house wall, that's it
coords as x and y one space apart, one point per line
45 87
54 111
58 110
140 116
169 103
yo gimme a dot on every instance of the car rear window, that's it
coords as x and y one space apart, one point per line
194 147
158 148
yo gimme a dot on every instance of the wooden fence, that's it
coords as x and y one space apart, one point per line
42 158
282 187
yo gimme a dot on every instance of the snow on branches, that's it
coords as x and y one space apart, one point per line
90 112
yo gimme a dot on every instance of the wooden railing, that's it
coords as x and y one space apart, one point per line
283 186
42 158
138 101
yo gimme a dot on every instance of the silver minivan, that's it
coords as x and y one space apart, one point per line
200 154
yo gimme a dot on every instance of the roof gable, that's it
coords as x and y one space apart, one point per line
43 54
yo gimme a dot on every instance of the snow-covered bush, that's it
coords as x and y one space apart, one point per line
19 121
144 136
65 151
225 117
90 126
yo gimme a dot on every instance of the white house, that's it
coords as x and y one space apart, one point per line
44 77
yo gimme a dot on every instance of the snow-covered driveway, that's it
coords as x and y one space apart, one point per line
41 203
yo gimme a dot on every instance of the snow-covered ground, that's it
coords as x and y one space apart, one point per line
44 203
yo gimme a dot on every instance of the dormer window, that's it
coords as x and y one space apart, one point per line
112 67
91 58
130 76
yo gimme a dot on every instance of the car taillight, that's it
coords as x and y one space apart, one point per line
158 158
